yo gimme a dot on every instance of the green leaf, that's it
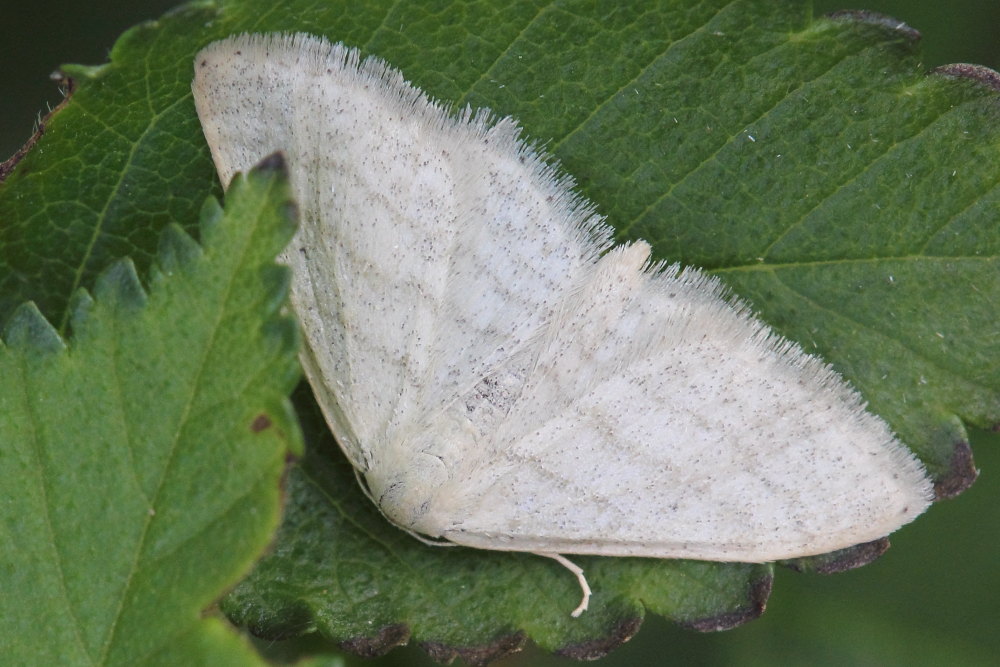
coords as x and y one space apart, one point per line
809 162
140 460
338 567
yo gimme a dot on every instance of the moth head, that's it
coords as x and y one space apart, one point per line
404 490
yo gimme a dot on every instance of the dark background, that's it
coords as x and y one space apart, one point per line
931 600
37 37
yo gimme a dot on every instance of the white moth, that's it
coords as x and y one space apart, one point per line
504 379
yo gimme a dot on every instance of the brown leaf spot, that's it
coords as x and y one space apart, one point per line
984 75
598 648
260 423
961 473
759 591
852 557
387 638
476 655
840 560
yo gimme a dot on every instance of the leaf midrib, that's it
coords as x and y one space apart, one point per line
196 386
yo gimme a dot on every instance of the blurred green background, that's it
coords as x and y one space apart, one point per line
931 600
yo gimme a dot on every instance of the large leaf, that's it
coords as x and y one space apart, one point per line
808 162
140 461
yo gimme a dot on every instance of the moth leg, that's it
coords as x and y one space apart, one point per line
430 541
582 580
364 486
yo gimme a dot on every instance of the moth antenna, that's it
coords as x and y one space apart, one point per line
364 486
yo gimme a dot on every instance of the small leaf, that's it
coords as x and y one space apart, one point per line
338 567
139 482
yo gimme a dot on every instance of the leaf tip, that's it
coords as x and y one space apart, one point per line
878 20
758 592
210 217
28 328
273 164
387 638
284 334
275 167
476 655
979 73
119 285
271 176
68 86
841 560
176 249
960 475
80 305
595 649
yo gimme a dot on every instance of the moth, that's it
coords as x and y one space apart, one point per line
502 377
